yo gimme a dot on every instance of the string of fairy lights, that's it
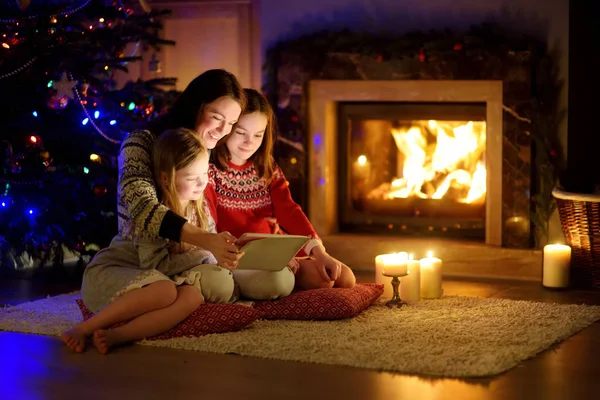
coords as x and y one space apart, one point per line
66 12
67 88
73 92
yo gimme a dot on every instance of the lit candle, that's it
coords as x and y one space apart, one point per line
556 266
431 277
385 262
410 285
395 264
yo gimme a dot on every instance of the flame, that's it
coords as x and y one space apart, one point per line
455 159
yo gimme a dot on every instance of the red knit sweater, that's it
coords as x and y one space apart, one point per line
240 202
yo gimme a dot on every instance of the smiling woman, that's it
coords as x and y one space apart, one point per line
216 120
210 105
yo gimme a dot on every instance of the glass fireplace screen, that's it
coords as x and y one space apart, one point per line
417 167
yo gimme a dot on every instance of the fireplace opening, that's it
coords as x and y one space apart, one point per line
412 167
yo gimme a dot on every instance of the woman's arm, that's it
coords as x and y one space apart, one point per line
138 203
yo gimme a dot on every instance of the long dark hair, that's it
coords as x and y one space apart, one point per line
263 157
204 89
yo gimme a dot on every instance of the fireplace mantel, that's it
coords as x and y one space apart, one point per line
323 137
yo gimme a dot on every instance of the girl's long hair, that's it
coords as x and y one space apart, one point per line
262 159
207 87
173 150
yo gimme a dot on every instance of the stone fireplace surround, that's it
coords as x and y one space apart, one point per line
461 258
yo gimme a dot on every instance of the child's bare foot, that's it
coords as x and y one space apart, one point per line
75 339
103 340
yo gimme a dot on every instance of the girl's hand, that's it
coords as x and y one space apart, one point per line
329 268
223 247
294 265
275 229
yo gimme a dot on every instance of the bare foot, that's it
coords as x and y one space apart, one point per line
103 340
75 339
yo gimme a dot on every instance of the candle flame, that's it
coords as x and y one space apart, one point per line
430 254
362 160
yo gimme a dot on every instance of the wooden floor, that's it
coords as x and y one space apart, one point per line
39 367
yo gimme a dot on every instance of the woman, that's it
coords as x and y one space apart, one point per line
210 105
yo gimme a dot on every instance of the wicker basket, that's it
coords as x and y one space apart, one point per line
580 221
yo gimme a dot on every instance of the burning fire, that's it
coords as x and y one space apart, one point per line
440 157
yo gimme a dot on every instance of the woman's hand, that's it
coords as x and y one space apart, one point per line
329 268
223 247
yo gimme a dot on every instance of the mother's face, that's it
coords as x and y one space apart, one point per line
216 120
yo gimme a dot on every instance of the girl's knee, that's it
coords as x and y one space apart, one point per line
164 293
217 285
189 297
346 278
265 285
284 283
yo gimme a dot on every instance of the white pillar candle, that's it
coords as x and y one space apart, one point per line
431 277
556 266
410 285
387 261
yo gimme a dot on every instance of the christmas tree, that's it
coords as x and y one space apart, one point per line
62 119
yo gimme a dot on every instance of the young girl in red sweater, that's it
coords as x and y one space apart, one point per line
247 191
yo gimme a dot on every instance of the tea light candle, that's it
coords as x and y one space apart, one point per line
556 266
431 277
410 285
387 261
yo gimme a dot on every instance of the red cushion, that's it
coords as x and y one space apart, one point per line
208 318
321 304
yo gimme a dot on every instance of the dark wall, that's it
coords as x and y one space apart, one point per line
584 90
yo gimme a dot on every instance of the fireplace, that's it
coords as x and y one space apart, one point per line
412 167
417 157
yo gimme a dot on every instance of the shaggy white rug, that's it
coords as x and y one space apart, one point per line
453 336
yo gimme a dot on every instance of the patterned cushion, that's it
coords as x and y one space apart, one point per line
208 318
321 304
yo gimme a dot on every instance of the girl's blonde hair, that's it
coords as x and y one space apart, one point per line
173 150
263 157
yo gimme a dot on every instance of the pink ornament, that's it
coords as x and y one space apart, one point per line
56 102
